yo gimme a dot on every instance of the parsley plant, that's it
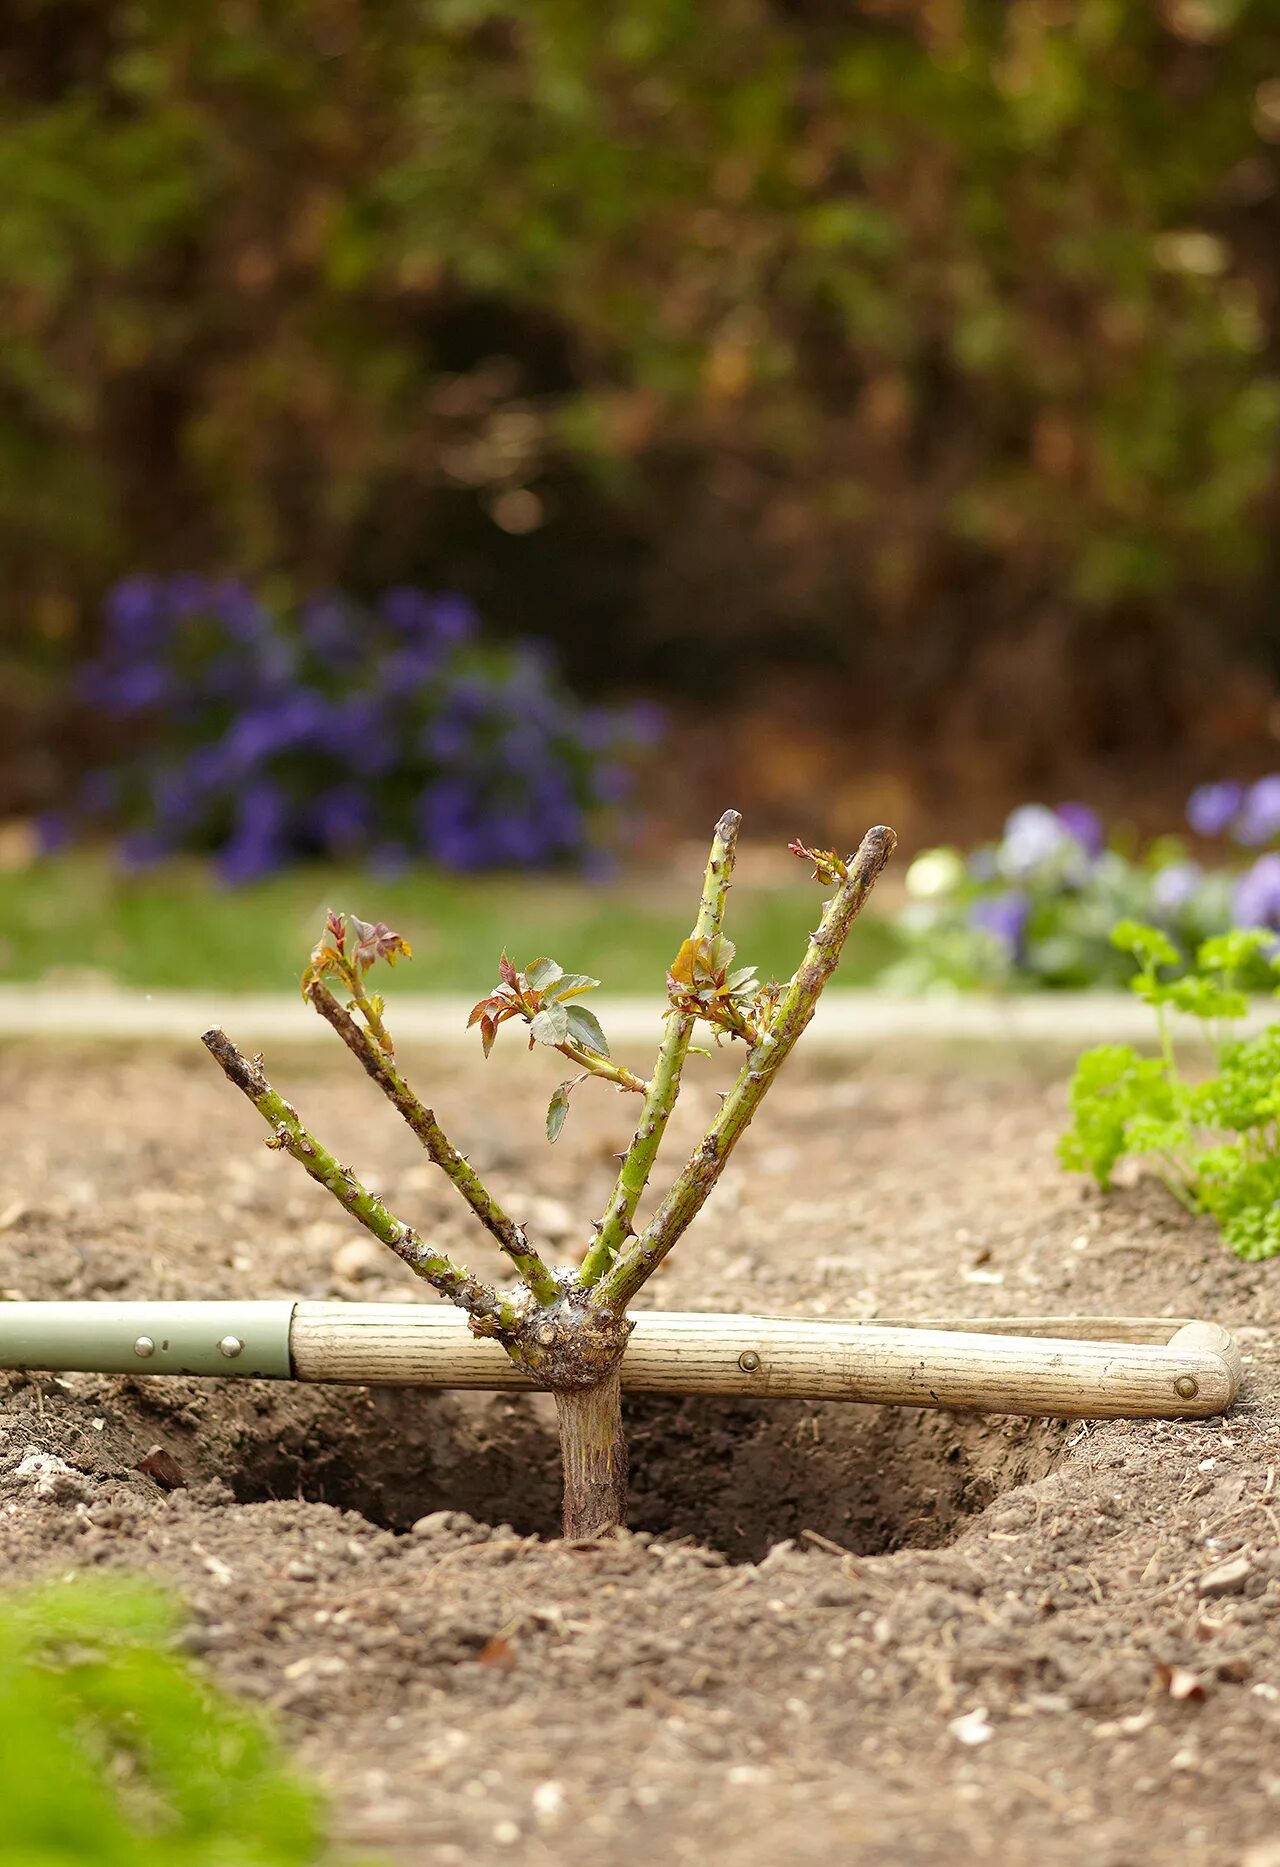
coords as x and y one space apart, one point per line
1215 1143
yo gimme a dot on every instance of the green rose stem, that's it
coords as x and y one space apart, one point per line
490 1313
637 1162
686 1198
377 1063
595 1065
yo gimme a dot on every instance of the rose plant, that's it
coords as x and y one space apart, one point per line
566 1327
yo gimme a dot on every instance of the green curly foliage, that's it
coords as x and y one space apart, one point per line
115 1751
1112 1087
1215 1143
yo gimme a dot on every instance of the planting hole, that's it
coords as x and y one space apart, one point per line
733 1475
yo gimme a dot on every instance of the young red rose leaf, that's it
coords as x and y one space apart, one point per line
584 1029
488 1031
507 971
680 971
375 941
827 865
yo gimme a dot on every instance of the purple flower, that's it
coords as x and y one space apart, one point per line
1259 818
610 783
1173 886
1257 896
341 817
243 710
523 751
257 844
325 623
210 767
453 619
1211 808
133 689
135 614
175 798
460 849
53 832
443 813
239 610
443 621
188 595
445 739
471 697
645 722
1085 825
1033 836
1004 917
516 838
277 726
409 668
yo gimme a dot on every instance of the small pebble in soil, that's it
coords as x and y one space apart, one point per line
1225 1578
51 1478
972 1728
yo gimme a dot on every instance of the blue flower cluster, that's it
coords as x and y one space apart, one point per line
1250 817
1038 906
385 733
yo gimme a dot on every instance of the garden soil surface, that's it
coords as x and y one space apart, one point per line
834 1633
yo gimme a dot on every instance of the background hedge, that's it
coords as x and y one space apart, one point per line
932 342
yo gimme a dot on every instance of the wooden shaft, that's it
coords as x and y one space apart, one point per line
1105 1368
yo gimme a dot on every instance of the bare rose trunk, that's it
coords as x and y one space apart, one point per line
593 1448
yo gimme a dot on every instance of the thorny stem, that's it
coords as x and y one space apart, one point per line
490 1314
511 1237
660 1098
681 1205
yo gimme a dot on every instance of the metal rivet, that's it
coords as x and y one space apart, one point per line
1187 1386
144 1346
230 1346
748 1361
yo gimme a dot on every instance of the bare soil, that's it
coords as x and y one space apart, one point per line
1017 1659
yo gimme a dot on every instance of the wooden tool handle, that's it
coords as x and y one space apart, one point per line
1105 1368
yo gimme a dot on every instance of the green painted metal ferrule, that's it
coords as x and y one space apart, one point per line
149 1338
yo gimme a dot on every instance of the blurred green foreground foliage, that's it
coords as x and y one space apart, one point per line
115 1752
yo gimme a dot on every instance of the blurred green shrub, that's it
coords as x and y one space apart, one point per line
945 329
115 1752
